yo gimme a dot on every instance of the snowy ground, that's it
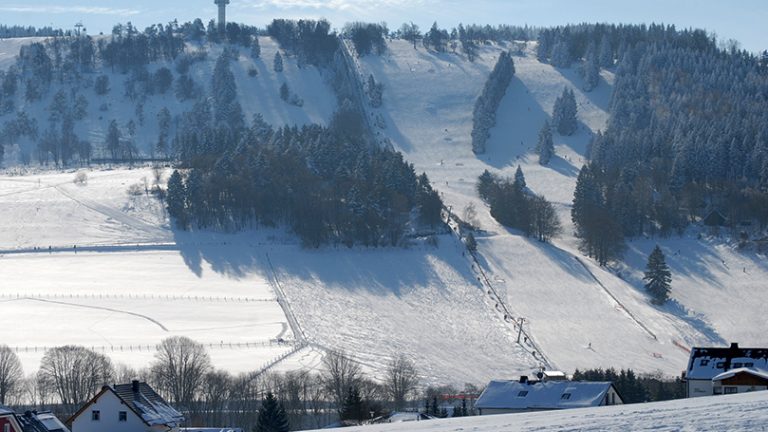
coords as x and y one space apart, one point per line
744 412
132 281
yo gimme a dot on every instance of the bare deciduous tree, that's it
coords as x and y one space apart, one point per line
179 369
400 381
11 374
74 373
215 394
341 373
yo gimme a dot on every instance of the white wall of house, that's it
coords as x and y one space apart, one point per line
612 398
109 407
698 388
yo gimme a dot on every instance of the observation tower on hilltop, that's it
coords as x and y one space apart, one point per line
222 14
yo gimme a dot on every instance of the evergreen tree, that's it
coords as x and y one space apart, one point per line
657 277
278 62
285 92
546 147
564 113
486 186
112 141
255 48
353 407
590 71
176 199
605 57
272 416
520 177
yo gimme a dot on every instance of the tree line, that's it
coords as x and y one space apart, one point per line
687 134
182 373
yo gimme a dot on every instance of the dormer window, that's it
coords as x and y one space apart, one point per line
523 393
95 415
737 365
720 365
565 396
704 362
750 364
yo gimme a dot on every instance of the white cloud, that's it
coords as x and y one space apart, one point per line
89 10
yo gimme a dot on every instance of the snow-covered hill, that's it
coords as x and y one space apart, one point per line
743 413
582 315
428 302
259 94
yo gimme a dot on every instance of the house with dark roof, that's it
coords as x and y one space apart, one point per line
30 421
8 422
503 397
740 380
707 364
133 407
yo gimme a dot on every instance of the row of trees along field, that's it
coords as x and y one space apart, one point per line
687 134
182 373
70 375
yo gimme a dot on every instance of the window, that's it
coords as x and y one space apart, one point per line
720 365
122 416
749 364
704 362
730 390
565 396
737 365
523 393
95 415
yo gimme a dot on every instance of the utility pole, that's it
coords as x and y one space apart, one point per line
520 322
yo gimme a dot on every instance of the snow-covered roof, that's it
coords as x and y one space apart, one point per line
733 372
707 363
142 401
152 408
542 395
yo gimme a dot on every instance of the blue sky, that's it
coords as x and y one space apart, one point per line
743 20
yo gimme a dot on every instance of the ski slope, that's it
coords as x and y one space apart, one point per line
582 315
738 413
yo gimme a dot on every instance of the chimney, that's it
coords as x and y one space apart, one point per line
135 386
523 379
734 345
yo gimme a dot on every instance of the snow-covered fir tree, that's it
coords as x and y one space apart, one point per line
564 113
545 147
657 277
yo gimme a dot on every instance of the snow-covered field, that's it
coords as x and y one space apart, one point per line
736 413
